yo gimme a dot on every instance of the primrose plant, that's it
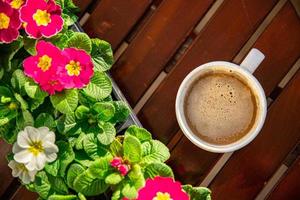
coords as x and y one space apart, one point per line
58 112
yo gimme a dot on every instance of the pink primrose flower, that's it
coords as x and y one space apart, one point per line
9 23
16 4
162 188
43 67
77 70
116 162
41 18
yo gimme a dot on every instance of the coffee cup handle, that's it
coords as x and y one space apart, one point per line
252 60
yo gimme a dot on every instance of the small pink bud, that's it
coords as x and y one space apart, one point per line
116 162
123 169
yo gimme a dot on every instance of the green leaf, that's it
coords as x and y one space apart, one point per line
8 51
45 119
102 55
108 134
92 147
59 40
132 149
114 179
65 155
74 171
100 86
136 177
62 197
29 45
197 193
11 135
82 158
5 92
81 196
89 186
104 110
23 103
155 151
66 101
121 112
140 133
79 141
80 41
58 185
25 119
82 112
66 123
33 90
99 168
18 81
53 168
116 195
116 148
129 191
42 184
158 169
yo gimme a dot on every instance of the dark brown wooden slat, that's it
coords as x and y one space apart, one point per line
221 39
155 44
289 187
5 172
248 169
82 4
113 19
280 42
24 194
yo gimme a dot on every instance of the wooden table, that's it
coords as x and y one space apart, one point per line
157 43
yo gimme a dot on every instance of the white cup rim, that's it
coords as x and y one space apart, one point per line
213 147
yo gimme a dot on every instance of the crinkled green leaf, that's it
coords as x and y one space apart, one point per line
158 169
136 177
62 197
100 86
108 134
197 193
79 141
132 149
18 81
74 171
67 123
24 119
29 45
82 112
100 167
58 185
104 110
80 41
140 133
65 101
65 155
45 119
114 178
82 158
129 191
8 51
121 112
81 196
33 90
155 151
116 148
92 147
88 185
53 168
22 102
102 55
42 184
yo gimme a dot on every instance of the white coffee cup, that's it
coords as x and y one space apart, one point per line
245 70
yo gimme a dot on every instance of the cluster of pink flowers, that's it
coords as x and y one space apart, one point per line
40 18
54 69
121 165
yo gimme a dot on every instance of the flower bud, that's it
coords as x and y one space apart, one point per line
116 162
123 169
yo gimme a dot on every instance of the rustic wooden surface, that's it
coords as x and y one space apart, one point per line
157 43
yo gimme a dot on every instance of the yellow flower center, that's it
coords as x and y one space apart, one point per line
44 63
73 68
4 21
162 196
36 148
16 4
41 17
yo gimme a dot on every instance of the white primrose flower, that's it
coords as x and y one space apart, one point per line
19 170
35 147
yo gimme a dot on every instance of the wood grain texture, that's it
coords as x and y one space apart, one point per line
289 187
113 19
155 44
248 169
221 39
24 194
281 36
5 172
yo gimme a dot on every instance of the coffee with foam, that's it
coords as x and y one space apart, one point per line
220 107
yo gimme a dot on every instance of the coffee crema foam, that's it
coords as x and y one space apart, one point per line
220 107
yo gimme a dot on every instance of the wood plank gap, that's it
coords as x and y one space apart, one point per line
84 18
296 4
149 92
245 49
120 51
174 141
290 74
12 189
199 27
215 170
272 182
